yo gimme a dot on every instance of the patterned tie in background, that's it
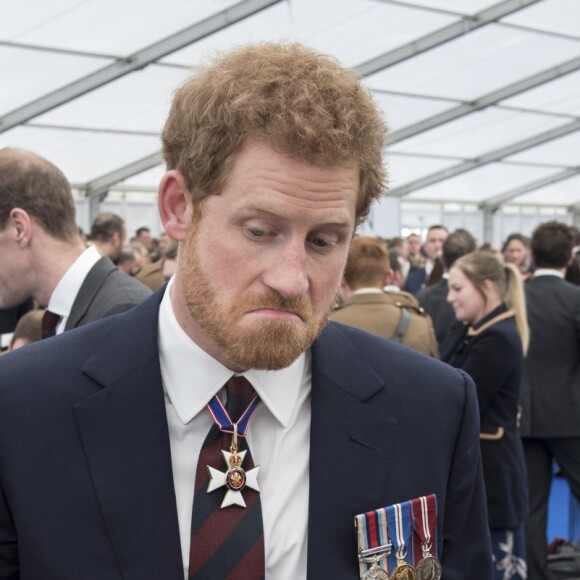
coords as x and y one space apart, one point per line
49 323
228 543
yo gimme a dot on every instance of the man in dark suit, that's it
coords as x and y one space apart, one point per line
431 272
43 256
550 424
434 298
99 462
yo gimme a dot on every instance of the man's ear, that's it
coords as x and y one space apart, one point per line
21 225
175 207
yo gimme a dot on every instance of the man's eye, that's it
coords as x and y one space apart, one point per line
326 242
320 242
257 232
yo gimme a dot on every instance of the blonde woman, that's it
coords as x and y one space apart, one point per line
487 296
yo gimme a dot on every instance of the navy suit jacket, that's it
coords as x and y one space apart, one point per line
86 487
416 279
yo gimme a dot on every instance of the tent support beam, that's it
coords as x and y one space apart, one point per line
134 62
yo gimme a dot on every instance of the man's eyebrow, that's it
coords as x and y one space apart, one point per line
265 208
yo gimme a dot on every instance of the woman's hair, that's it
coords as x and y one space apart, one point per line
481 266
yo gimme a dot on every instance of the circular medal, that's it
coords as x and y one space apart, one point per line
428 568
403 572
236 479
375 573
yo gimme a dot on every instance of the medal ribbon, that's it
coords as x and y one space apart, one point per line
372 538
222 419
399 520
424 510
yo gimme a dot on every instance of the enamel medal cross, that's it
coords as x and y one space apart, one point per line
235 478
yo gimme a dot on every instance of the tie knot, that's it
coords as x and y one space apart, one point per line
240 394
49 323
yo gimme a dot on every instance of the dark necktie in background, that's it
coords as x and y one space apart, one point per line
49 323
436 273
226 543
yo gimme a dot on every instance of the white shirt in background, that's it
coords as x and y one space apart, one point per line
69 285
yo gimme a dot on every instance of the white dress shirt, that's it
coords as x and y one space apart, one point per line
548 272
278 435
66 290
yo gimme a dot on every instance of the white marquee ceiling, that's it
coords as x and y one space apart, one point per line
482 97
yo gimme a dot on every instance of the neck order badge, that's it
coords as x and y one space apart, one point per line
235 478
227 543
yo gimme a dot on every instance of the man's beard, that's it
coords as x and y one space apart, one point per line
266 344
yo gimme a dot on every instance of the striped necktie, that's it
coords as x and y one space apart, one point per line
49 323
226 543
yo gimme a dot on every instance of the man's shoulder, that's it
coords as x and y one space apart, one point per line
397 377
439 288
388 301
124 281
417 273
58 364
42 372
541 289
386 357
401 298
108 282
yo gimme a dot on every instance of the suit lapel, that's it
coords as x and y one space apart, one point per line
88 290
350 450
125 436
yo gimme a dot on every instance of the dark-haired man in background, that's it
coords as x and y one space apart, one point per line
108 235
550 424
430 273
434 298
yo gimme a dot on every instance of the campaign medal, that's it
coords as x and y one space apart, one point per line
374 545
399 520
428 568
424 510
403 571
235 478
375 572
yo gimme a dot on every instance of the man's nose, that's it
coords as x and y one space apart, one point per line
287 272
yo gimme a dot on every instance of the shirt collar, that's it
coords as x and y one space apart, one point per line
192 377
68 287
369 291
548 272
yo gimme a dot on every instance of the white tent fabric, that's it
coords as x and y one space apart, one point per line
482 97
